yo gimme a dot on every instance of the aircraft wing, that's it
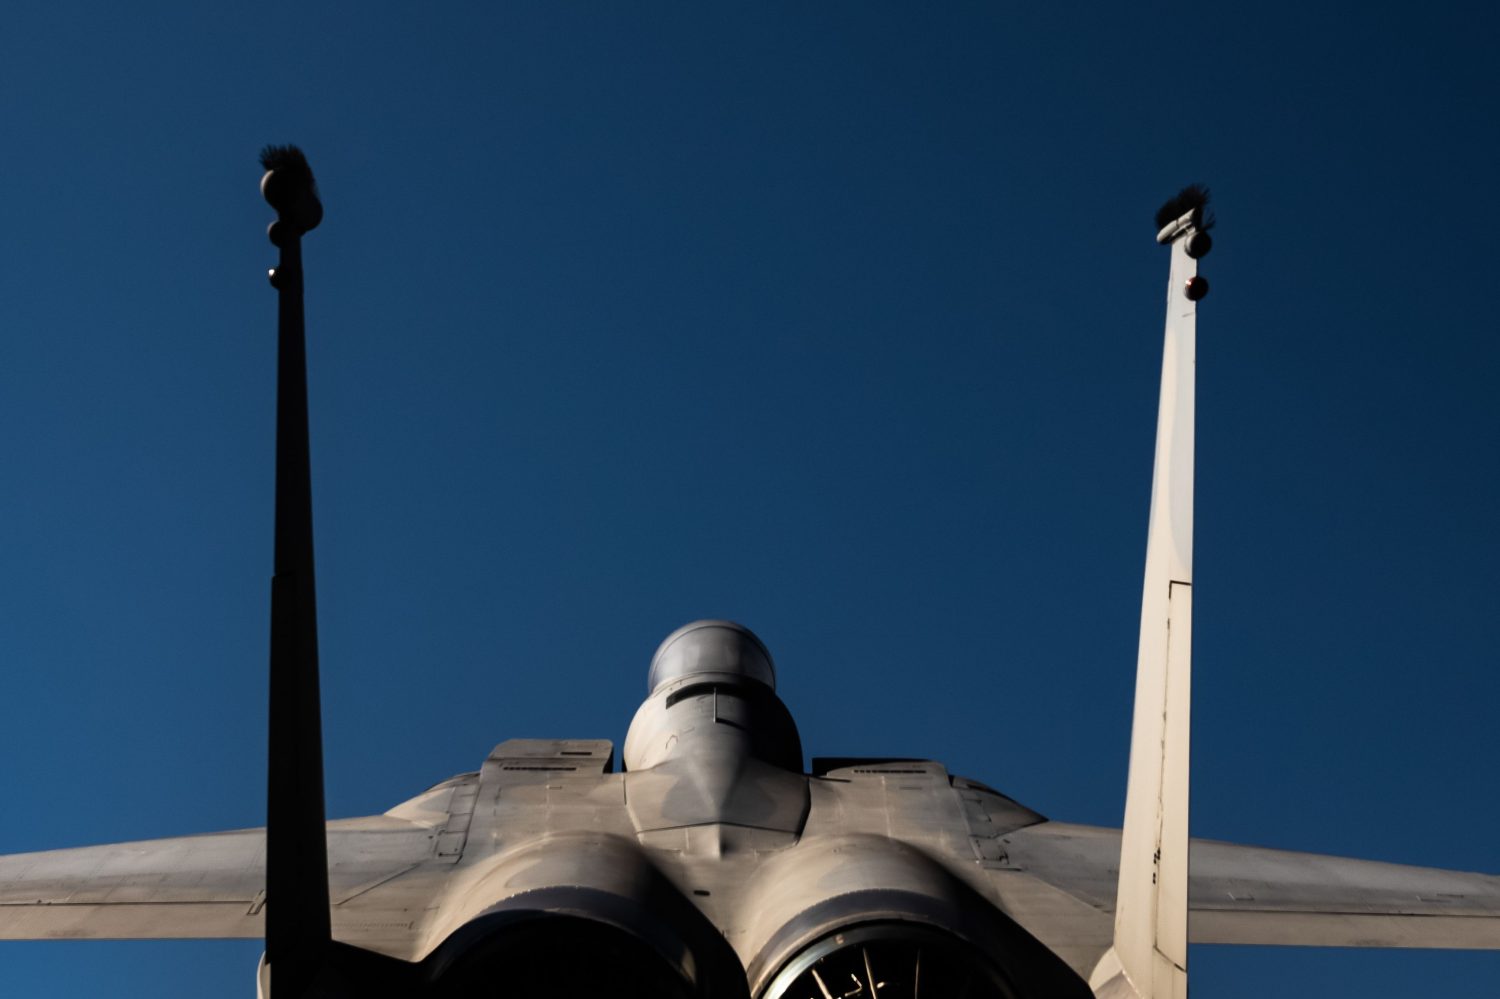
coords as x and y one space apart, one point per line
213 885
1254 895
186 886
385 871
1251 895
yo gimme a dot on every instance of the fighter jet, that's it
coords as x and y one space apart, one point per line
712 859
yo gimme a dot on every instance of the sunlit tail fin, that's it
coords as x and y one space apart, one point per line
1149 957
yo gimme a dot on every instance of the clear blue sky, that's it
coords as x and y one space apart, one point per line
841 320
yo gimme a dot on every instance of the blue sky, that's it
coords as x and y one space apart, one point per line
841 320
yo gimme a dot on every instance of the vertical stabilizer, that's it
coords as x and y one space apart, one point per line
1149 957
297 918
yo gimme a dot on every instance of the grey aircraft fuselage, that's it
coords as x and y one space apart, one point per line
733 871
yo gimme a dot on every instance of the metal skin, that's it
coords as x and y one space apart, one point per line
728 867
1149 957
720 864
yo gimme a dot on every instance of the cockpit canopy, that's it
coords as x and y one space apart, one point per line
720 647
713 694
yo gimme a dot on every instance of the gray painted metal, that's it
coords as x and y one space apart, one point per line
772 857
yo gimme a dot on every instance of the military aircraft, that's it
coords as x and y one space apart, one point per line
716 861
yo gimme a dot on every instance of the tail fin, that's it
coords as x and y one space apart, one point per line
1149 957
297 917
